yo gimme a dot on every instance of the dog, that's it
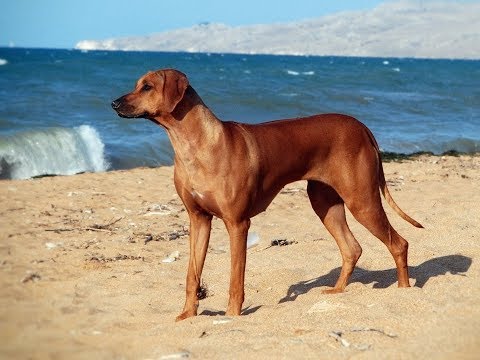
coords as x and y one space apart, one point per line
233 171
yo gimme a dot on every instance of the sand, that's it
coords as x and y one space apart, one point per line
82 273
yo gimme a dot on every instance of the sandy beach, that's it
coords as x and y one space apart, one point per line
93 266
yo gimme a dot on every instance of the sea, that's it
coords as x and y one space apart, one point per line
56 119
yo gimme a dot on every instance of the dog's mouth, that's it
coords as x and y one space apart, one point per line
131 116
122 110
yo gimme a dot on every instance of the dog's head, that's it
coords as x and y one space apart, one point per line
156 94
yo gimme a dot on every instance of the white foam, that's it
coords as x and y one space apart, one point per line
296 73
291 72
94 147
52 151
3 62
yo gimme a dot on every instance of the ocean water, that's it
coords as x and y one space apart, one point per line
55 115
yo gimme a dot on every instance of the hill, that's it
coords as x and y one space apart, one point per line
432 29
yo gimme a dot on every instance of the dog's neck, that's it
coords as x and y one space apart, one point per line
191 127
189 101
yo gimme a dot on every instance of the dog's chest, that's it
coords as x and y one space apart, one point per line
197 195
207 201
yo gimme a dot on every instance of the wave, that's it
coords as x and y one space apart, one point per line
296 73
3 62
51 151
291 72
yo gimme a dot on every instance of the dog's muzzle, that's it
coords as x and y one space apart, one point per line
124 110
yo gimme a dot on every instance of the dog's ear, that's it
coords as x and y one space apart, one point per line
174 85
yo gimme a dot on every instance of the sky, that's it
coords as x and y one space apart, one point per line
62 23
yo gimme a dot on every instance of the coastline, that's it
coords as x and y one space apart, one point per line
386 156
83 272
389 156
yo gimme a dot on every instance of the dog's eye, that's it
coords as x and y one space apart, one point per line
146 87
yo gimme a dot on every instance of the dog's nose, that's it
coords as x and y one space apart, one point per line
115 104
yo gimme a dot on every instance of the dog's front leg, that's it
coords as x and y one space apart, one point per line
238 231
200 226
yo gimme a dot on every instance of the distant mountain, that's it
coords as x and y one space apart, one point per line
404 28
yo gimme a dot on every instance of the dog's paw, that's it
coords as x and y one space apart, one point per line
185 315
332 291
232 313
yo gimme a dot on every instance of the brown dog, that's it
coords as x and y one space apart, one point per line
233 171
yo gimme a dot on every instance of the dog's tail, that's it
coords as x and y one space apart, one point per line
384 188
390 201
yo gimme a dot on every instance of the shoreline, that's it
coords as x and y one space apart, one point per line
386 157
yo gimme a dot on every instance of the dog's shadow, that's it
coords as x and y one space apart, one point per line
454 264
247 311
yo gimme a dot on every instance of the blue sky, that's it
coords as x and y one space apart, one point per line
62 23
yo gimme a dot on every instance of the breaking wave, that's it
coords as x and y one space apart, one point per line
51 151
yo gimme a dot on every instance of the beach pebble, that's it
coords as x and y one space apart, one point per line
174 256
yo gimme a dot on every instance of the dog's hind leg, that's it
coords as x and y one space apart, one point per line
329 207
367 208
